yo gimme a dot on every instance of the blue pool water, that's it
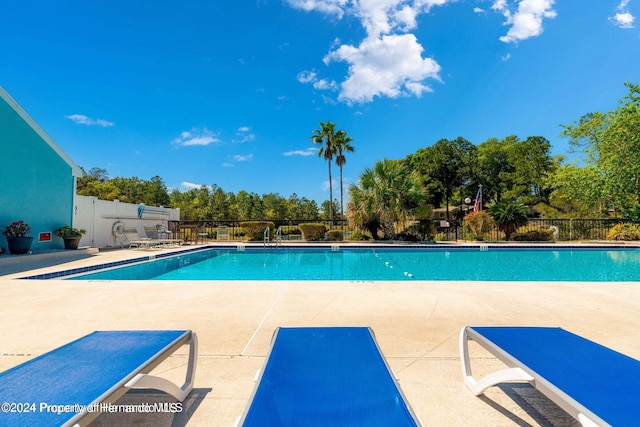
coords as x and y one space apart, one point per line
398 264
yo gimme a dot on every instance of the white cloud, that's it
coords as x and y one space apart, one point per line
307 76
241 158
331 7
623 18
499 5
311 77
391 16
304 153
389 66
623 4
388 62
323 84
81 119
190 185
104 123
526 21
329 100
196 137
244 135
334 184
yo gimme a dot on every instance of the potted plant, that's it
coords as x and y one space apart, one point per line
17 239
70 235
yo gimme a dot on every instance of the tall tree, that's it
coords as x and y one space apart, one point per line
343 145
446 165
495 169
219 203
326 208
325 137
100 174
514 169
576 192
612 142
155 192
308 209
245 205
532 163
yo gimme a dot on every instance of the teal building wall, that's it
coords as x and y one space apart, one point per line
37 179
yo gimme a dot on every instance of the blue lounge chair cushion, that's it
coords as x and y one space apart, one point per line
80 373
603 381
327 377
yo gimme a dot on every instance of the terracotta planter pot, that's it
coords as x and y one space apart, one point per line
19 245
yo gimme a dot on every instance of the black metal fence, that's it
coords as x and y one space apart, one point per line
563 229
451 230
195 231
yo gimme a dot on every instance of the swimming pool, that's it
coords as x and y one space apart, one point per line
393 264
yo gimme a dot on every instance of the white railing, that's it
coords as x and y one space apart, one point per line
278 236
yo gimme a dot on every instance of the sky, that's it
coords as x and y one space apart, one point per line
229 92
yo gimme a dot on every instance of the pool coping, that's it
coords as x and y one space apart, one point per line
242 247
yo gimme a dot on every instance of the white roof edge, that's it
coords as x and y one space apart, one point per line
75 169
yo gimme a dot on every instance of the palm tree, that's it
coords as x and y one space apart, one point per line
342 144
362 211
325 136
509 215
385 195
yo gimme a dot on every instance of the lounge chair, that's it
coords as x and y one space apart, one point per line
164 233
326 377
154 234
131 238
151 232
81 377
596 385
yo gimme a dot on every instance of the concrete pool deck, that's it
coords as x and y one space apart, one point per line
416 325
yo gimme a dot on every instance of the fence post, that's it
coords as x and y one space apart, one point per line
570 229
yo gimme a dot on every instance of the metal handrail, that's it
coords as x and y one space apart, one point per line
278 236
266 237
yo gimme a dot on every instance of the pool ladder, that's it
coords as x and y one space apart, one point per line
266 237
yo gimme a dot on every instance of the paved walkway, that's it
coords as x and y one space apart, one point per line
416 325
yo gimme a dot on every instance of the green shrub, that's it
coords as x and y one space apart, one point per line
408 235
313 231
534 236
288 232
624 232
254 230
358 236
479 224
426 229
422 231
335 235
